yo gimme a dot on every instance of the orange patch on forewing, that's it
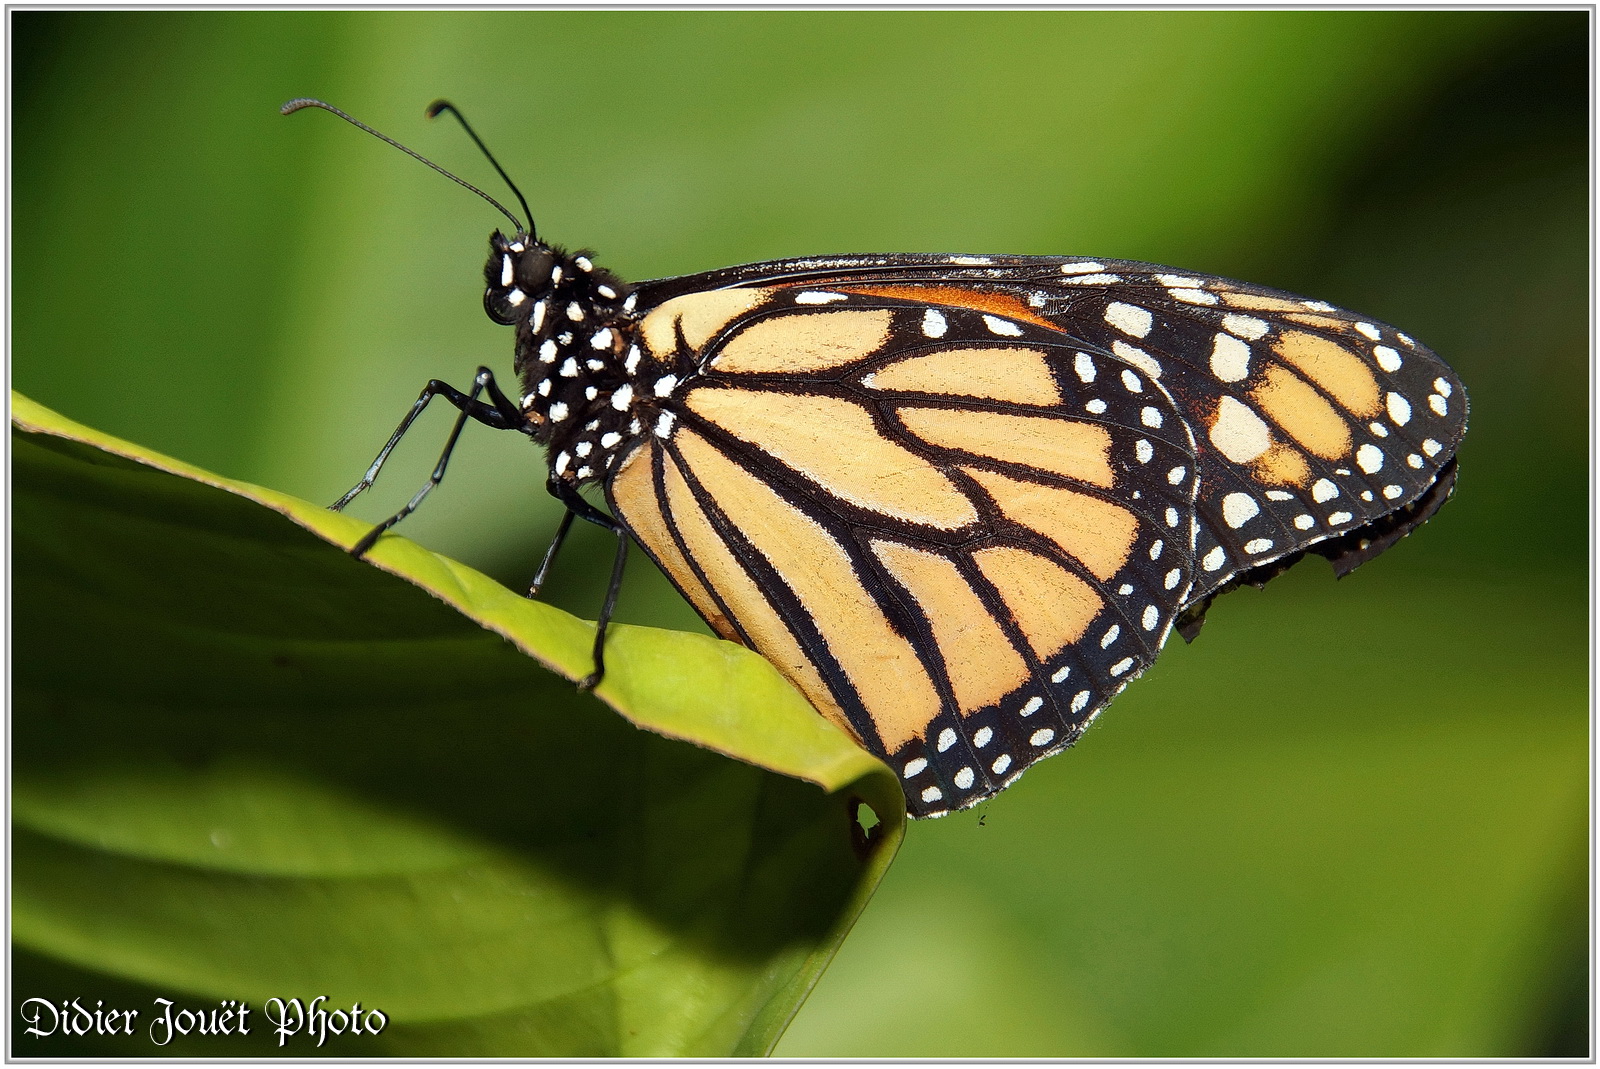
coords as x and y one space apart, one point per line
980 661
1282 465
1097 533
835 444
1067 447
745 599
1259 302
633 497
1052 607
1000 304
1293 404
700 316
804 342
881 665
1333 367
1003 373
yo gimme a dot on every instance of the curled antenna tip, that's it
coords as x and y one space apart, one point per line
300 102
437 106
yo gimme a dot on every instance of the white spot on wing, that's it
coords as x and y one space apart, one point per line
1388 359
1083 364
1003 327
933 324
1239 509
1238 433
1130 319
1369 458
816 297
1230 358
914 767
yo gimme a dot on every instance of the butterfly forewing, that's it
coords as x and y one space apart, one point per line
958 534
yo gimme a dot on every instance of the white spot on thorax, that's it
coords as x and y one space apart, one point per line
569 368
664 424
582 263
575 312
505 271
623 397
601 339
665 385
591 392
595 365
536 318
609 439
562 460
558 412
606 291
515 297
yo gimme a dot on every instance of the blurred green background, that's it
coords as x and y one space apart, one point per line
1351 820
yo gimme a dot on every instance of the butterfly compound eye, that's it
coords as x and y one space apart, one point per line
532 270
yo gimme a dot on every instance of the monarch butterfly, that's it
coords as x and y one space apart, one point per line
959 501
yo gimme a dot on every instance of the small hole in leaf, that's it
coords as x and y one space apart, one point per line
863 823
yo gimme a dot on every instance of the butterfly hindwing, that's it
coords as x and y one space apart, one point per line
956 545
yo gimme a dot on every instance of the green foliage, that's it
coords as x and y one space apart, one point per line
247 766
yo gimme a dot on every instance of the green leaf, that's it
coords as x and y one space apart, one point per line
247 766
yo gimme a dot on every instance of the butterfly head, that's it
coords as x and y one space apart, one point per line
577 353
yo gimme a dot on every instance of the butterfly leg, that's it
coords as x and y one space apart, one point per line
568 495
501 414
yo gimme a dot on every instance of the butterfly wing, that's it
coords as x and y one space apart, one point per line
1315 427
921 514
961 501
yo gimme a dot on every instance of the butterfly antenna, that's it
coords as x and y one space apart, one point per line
305 102
444 105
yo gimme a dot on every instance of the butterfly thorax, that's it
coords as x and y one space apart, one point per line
577 352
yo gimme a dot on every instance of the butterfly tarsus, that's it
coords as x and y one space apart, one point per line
501 414
577 506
